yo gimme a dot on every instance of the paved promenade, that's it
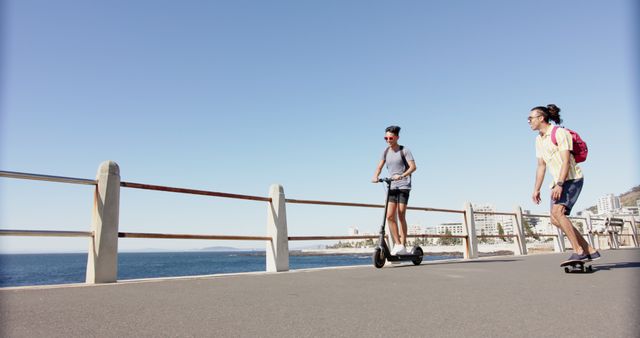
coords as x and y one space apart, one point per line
497 297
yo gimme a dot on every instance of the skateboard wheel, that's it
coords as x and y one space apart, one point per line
566 270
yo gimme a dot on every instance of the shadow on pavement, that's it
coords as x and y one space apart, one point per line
405 265
612 266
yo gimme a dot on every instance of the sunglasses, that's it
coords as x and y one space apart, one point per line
532 117
389 138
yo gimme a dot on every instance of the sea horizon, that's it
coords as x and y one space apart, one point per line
67 268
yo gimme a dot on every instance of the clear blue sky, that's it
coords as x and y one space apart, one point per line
235 96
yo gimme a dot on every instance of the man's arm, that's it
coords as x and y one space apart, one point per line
540 171
412 168
564 172
378 171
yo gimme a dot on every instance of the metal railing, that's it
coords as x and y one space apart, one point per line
470 238
193 192
82 181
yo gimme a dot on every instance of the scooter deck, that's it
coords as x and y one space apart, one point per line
402 257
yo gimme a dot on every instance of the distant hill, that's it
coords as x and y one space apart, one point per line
222 248
628 199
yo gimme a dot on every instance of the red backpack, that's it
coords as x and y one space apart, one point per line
580 150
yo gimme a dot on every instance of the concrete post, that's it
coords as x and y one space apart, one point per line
611 230
102 263
521 239
559 243
634 230
590 236
471 242
278 247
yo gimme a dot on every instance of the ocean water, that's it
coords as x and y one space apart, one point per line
46 269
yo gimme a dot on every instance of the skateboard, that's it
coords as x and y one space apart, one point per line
577 266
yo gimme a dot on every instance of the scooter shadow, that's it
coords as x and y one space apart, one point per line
427 263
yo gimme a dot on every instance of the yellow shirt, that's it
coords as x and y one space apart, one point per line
550 153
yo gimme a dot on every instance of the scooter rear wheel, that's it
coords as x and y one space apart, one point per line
418 252
378 258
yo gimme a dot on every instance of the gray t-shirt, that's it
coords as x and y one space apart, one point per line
395 166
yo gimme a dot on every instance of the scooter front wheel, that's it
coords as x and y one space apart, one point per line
378 258
418 252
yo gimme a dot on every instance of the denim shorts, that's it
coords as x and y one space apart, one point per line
569 196
399 196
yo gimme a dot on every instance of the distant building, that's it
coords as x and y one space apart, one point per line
354 231
544 226
507 225
608 203
454 228
415 229
628 211
485 223
431 230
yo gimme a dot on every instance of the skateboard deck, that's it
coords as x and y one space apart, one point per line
577 266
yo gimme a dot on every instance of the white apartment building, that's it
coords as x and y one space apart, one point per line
485 223
415 229
454 228
608 203
544 226
628 211
507 224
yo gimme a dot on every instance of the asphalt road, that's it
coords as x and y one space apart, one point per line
496 297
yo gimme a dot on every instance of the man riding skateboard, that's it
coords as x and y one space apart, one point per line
555 153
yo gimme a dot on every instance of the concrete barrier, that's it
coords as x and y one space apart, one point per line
559 242
590 236
102 262
471 242
634 230
521 239
277 254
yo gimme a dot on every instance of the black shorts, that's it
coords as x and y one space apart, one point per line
399 196
570 191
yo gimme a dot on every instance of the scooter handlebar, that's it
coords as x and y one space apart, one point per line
386 179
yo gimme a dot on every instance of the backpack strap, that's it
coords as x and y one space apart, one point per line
553 135
404 159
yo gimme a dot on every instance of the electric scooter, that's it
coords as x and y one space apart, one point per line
382 252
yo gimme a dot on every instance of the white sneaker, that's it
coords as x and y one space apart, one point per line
397 249
402 251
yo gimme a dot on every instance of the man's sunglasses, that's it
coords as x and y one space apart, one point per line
389 138
532 117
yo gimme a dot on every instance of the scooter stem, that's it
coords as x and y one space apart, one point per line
386 205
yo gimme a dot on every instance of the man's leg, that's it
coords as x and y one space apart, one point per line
402 211
559 219
391 221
